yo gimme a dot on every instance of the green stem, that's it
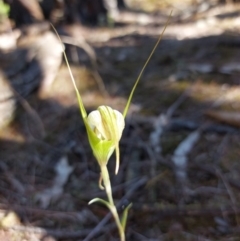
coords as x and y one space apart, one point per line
108 189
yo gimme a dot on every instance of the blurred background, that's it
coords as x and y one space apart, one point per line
180 149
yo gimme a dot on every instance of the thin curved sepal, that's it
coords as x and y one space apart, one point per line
144 67
80 102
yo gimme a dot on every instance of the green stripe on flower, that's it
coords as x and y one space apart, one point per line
104 128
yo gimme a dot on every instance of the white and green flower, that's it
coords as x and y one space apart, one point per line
104 127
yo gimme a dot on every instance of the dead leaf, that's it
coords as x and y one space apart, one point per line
227 117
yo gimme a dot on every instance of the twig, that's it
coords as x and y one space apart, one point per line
212 170
163 120
32 113
140 237
180 155
80 42
72 216
178 124
230 193
63 234
160 124
162 212
178 102
207 191
220 150
180 161
17 186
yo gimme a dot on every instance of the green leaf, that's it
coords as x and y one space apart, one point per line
124 216
107 204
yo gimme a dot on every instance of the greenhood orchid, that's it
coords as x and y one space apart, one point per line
104 128
105 125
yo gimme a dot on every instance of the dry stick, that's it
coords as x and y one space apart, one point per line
180 158
178 102
183 124
163 120
69 216
201 190
125 164
212 170
17 185
62 234
140 237
52 232
128 195
160 124
230 193
225 182
80 42
220 150
207 191
161 213
25 104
